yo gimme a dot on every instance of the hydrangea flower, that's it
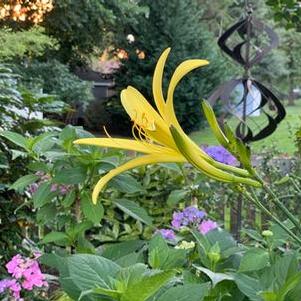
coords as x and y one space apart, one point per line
25 273
206 226
167 234
220 154
189 216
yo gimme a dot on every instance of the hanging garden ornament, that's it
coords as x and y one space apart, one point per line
247 42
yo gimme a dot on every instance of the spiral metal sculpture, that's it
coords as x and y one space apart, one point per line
245 97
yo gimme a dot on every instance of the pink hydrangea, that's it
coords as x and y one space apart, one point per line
207 225
25 273
15 266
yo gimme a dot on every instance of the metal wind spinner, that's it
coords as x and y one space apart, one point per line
245 98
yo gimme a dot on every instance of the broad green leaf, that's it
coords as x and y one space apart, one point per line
289 285
134 210
46 213
224 238
253 260
90 271
214 277
70 175
24 181
249 286
93 213
78 229
130 259
161 256
176 196
119 250
103 292
69 199
43 143
126 183
15 138
269 296
43 195
60 238
149 284
191 292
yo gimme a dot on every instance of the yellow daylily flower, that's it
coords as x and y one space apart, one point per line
158 135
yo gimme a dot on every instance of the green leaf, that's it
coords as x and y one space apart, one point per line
93 213
46 213
43 142
43 195
214 277
24 181
90 271
60 238
119 250
249 286
161 256
253 260
289 285
126 183
15 138
134 210
147 286
191 292
176 196
73 175
269 296
69 199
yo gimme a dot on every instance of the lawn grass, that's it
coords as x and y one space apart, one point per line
282 139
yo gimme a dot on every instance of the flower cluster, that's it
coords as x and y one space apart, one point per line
220 154
62 189
189 217
25 273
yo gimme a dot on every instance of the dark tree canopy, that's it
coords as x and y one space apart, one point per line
176 24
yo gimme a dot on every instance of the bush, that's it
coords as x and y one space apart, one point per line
55 78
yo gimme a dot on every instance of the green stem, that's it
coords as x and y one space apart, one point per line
279 204
256 202
295 185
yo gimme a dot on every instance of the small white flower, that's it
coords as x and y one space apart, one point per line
130 38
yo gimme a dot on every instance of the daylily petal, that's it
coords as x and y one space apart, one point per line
157 82
142 113
180 72
128 144
144 160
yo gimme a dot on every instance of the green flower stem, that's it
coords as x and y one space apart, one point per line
279 204
256 202
295 184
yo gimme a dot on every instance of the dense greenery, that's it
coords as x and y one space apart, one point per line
161 232
56 79
287 12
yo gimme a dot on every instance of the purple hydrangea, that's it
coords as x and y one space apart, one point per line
206 226
189 216
220 154
167 234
